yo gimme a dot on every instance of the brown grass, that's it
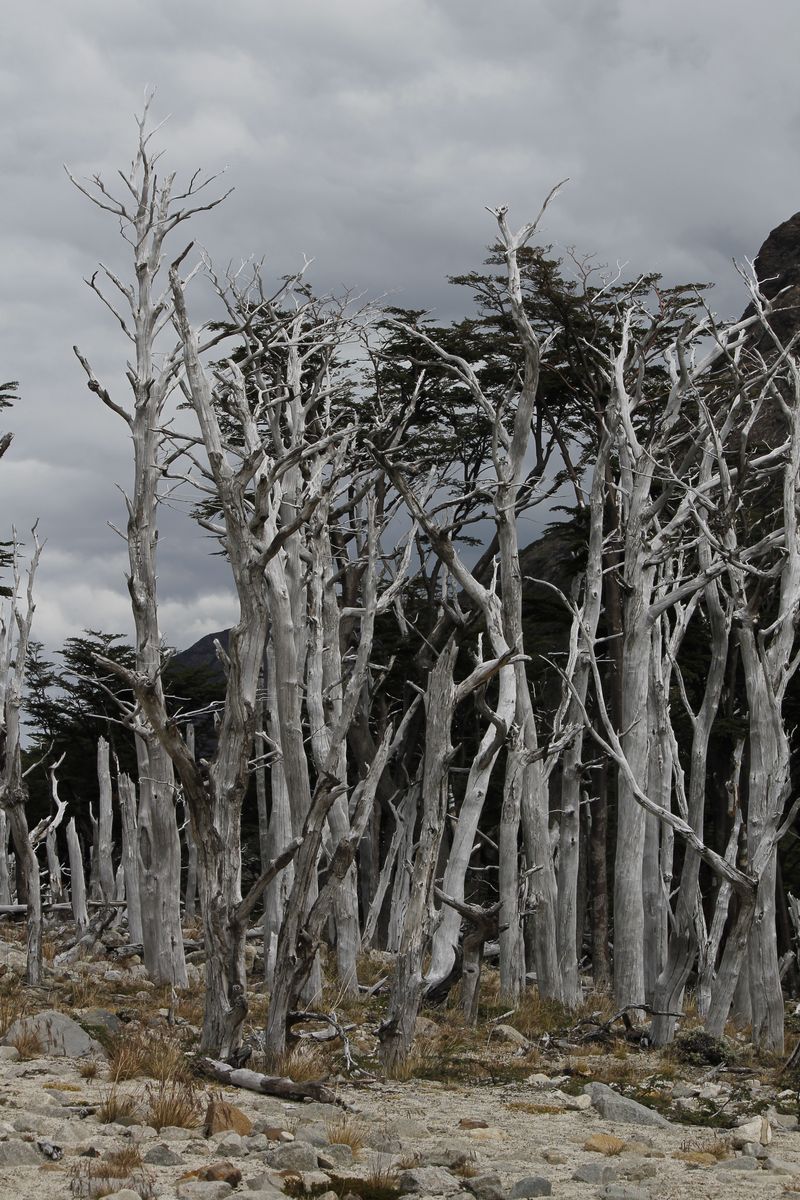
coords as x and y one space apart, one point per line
303 1062
88 1068
27 1043
173 1102
347 1131
114 1105
94 1178
139 1053
12 1007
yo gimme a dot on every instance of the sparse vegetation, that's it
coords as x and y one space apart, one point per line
172 1102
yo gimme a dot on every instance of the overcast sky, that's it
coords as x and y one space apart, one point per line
369 134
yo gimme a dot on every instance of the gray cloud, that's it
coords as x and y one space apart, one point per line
369 134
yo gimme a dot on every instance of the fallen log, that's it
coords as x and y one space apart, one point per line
267 1085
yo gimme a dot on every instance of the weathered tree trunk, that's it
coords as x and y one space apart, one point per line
77 881
105 822
5 878
190 891
130 858
397 1030
512 948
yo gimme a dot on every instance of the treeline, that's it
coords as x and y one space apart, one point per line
431 732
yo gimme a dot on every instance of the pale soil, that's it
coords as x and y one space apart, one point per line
424 1117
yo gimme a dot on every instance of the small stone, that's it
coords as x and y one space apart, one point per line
162 1156
274 1132
595 1172
745 1162
554 1157
174 1133
638 1171
431 1181
425 1027
472 1123
124 1194
216 1172
531 1185
265 1183
221 1116
490 1134
604 1143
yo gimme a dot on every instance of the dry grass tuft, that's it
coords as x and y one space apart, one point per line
12 1007
173 1102
303 1062
116 1104
27 1043
142 1053
347 1131
88 1068
94 1178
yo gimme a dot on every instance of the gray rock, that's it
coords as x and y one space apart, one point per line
195 1189
293 1156
507 1033
618 1108
486 1187
637 1171
776 1166
58 1035
19 1154
162 1156
315 1134
531 1185
101 1018
174 1133
264 1184
335 1155
595 1172
746 1162
620 1191
232 1145
124 1194
431 1181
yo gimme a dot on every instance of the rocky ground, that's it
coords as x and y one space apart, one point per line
95 1099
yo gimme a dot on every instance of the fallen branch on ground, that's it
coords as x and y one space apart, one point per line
267 1085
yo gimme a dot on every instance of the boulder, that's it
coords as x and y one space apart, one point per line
486 1187
58 1035
624 1111
507 1033
19 1154
222 1116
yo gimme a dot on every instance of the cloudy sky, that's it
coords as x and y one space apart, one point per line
369 134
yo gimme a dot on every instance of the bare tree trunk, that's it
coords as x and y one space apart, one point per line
130 858
5 878
512 948
104 823
190 894
77 881
396 1033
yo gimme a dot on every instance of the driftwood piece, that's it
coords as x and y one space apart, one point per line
267 1085
90 937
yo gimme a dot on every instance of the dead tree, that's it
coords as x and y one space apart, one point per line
15 630
148 209
482 925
